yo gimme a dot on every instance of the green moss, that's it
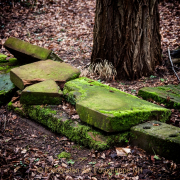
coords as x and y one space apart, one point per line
9 106
38 98
13 61
108 108
168 95
75 131
27 48
3 58
64 155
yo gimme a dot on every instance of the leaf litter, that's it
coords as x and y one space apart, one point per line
28 150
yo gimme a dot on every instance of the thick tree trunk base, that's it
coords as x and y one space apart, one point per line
126 33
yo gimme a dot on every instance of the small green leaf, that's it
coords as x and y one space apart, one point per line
92 163
151 77
162 80
71 161
156 157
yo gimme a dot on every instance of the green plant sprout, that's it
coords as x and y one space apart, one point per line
155 156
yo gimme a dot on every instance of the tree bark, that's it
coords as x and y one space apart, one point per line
126 33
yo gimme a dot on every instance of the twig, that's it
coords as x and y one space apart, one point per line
4 122
173 65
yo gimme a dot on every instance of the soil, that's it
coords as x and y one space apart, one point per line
30 151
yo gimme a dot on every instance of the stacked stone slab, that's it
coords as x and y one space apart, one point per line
28 53
108 108
46 92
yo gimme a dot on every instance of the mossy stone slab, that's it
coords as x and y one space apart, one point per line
46 92
168 95
41 71
58 121
108 108
157 137
26 52
6 88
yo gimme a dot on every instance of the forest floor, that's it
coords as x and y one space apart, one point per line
27 149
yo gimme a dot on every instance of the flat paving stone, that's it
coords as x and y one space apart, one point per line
39 71
157 137
46 92
108 108
168 95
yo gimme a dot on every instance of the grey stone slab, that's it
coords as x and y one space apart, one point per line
158 137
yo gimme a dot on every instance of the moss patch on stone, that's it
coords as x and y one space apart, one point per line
26 52
43 70
46 92
7 65
3 58
156 136
74 130
168 95
108 108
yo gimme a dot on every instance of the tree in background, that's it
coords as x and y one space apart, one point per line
126 33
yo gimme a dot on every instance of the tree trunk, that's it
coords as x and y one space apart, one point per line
126 33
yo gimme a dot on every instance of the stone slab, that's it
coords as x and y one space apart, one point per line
168 95
28 53
7 88
108 108
41 71
58 121
46 92
158 137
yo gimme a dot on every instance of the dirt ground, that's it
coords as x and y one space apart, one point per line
30 151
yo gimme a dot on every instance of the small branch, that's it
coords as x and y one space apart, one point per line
4 122
173 65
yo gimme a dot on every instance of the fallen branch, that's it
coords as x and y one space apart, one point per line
173 65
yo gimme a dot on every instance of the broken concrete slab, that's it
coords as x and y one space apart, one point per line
28 53
157 137
46 92
7 88
108 108
168 95
58 121
39 71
